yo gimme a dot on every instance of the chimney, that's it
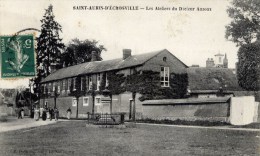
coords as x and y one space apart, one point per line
53 67
93 56
126 53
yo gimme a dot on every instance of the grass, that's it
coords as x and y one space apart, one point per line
184 122
252 125
75 138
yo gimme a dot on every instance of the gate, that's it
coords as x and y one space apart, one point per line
106 119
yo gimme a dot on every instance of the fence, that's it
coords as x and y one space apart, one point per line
106 119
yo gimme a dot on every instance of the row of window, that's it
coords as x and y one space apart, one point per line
64 85
85 101
88 81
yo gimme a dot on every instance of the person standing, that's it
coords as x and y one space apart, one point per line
44 115
51 112
22 112
48 112
36 113
56 113
19 113
69 113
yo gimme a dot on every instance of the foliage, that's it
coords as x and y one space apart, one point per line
152 89
76 91
24 98
245 27
179 84
115 82
249 66
49 46
80 51
147 83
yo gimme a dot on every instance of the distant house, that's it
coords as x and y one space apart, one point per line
212 82
56 88
1 98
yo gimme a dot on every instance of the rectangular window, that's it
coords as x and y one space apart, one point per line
106 81
74 102
64 85
53 86
81 83
74 83
69 84
49 88
165 77
97 101
58 87
87 83
98 81
90 82
85 101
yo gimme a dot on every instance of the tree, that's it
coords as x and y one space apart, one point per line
80 51
244 30
248 66
245 27
49 46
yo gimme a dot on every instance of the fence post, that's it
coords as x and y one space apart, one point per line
122 118
106 119
88 117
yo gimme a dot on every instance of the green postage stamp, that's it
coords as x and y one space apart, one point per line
17 56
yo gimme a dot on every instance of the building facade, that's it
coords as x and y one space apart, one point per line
57 90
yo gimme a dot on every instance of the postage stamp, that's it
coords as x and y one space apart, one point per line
17 56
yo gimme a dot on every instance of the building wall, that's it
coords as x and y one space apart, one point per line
63 103
202 111
156 62
243 110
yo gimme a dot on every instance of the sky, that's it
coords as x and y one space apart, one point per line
192 36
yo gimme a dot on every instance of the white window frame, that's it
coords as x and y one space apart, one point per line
58 88
97 104
74 102
69 84
81 83
74 83
44 89
85 104
49 88
106 81
63 85
164 81
90 83
53 86
98 80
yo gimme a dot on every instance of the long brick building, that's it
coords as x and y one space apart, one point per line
57 87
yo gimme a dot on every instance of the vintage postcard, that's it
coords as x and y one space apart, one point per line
129 77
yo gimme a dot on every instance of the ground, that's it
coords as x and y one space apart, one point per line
75 138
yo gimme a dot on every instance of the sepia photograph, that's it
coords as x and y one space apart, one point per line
129 77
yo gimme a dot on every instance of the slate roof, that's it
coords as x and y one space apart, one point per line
101 66
186 101
211 79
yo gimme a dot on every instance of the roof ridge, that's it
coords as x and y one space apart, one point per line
101 66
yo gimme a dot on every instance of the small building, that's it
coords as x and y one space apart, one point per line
212 82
